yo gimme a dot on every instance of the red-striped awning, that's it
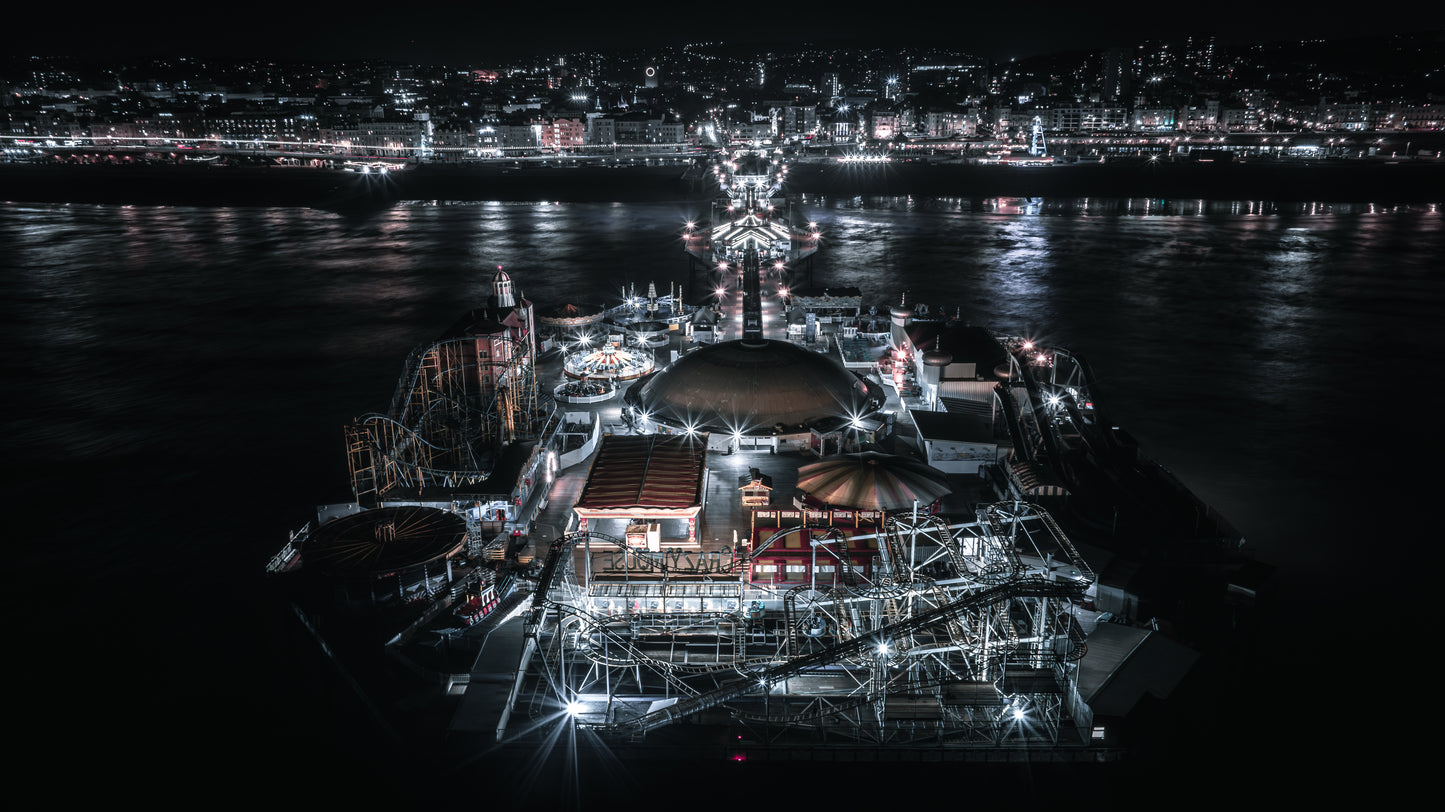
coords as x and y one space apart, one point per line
634 474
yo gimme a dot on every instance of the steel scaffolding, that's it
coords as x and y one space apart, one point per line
964 636
457 402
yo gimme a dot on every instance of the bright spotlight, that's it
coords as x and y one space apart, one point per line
1018 714
574 709
882 648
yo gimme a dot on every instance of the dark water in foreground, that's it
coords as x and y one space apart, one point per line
176 380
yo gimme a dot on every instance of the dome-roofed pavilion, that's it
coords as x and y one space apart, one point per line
755 388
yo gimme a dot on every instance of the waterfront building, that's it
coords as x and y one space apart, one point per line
396 139
1240 119
1161 119
832 87
601 130
885 122
1343 116
455 141
645 478
1194 118
771 392
560 134
796 121
950 123
274 125
641 128
1078 118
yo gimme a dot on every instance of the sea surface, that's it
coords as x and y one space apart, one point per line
176 381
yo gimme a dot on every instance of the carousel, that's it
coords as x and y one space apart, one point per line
612 361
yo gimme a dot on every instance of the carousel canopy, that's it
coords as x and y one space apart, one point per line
377 541
873 481
571 315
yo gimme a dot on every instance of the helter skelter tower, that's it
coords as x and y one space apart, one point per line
459 401
1036 139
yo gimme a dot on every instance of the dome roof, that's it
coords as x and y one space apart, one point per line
755 387
873 481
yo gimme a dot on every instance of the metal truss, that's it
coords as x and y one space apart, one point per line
964 636
457 401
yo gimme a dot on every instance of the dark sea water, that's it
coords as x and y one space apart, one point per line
176 381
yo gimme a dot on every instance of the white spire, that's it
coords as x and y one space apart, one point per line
502 289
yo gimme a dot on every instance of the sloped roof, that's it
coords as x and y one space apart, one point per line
645 472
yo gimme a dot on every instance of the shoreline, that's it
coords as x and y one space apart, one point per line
1417 182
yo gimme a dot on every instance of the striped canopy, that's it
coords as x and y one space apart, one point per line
873 481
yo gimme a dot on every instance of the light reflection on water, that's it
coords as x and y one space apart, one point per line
1230 337
1106 206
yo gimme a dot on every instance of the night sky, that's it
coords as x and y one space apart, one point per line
486 33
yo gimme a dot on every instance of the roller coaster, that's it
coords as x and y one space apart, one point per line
457 402
1052 410
957 634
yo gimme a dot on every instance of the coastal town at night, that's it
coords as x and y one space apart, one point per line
675 417
1160 99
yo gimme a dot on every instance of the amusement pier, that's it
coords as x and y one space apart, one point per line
752 504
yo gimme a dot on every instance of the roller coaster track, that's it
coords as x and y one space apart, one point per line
850 577
560 547
1012 418
1066 544
433 415
660 667
823 709
849 645
413 453
410 382
1047 431
854 647
989 515
1092 390
600 626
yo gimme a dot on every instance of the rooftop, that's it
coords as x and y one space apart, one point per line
647 471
